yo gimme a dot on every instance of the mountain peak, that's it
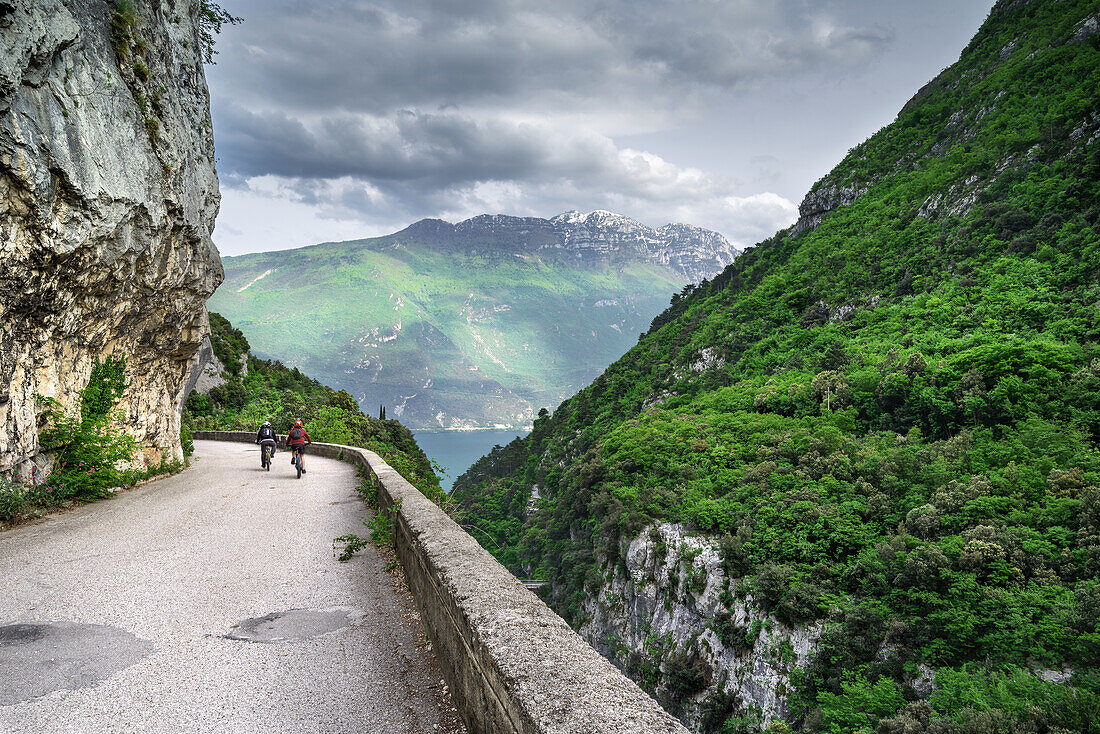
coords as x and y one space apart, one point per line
428 228
597 217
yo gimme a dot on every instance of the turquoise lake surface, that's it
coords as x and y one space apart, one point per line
457 450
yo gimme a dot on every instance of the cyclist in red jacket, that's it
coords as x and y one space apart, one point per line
297 440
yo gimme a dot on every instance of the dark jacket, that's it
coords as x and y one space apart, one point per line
266 433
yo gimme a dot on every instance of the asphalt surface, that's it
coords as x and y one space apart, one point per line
212 602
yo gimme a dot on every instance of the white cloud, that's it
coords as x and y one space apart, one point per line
279 213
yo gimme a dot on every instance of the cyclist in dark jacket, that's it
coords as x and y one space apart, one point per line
296 441
266 434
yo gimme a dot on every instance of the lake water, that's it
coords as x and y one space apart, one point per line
457 450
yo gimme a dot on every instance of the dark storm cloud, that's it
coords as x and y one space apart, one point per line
447 94
434 149
729 43
378 57
426 159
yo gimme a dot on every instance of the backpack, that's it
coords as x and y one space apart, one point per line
295 434
267 432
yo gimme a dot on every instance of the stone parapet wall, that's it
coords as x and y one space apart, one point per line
512 664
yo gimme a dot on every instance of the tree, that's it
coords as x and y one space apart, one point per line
211 18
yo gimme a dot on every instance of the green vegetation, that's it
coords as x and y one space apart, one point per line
257 390
141 71
382 524
89 446
129 44
130 47
888 423
211 19
124 21
445 334
91 453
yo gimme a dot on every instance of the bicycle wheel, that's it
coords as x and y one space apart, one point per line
298 464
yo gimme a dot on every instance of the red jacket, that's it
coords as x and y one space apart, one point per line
301 441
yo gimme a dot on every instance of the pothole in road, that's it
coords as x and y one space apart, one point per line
290 626
37 658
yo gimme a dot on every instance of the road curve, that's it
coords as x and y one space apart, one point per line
211 601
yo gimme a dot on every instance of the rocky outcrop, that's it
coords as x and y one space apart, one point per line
822 200
669 614
209 373
696 252
108 196
693 252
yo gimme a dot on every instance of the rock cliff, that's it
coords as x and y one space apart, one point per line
672 618
822 200
108 196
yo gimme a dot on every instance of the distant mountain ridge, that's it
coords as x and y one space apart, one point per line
477 324
693 252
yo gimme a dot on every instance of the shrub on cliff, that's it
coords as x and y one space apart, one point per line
90 450
91 453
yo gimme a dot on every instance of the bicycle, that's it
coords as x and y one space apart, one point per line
298 459
267 450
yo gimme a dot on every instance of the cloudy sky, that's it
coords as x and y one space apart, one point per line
341 119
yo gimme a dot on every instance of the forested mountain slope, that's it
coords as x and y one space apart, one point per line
853 482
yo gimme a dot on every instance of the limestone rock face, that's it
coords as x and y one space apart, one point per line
108 196
669 606
209 373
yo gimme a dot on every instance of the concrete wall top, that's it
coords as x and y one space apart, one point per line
512 664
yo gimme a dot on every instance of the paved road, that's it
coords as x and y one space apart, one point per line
211 601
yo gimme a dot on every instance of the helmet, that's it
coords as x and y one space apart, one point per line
267 424
297 421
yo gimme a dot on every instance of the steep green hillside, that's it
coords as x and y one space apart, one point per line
453 326
256 390
886 418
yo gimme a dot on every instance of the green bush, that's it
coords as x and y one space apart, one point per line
859 706
88 447
331 426
22 498
13 498
199 405
92 455
187 441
